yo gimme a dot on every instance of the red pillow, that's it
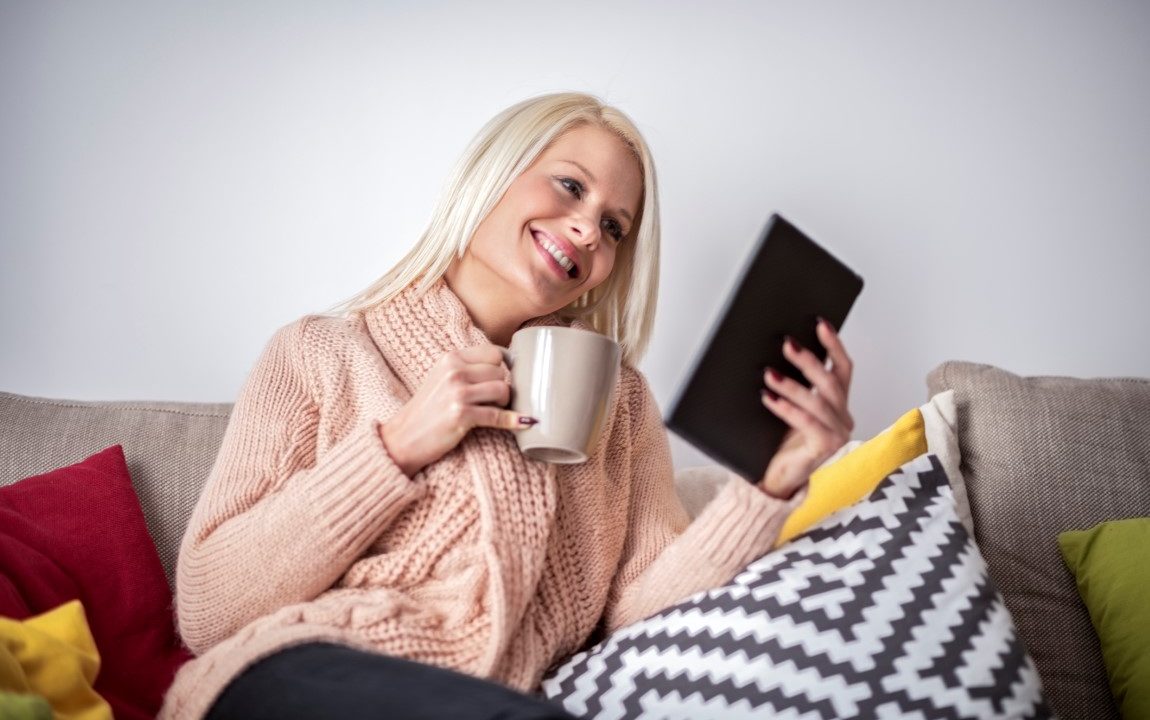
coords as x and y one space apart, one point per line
78 533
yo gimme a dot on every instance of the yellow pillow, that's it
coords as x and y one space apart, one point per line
54 656
855 475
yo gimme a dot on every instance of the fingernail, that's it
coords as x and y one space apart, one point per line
524 420
824 321
770 395
774 374
795 347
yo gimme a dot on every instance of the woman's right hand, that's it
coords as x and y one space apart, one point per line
465 389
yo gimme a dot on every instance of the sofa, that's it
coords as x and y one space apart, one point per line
1038 456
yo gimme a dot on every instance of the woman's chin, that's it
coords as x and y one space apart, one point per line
545 289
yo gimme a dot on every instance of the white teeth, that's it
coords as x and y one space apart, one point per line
558 255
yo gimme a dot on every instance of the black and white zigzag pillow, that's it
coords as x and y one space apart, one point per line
884 609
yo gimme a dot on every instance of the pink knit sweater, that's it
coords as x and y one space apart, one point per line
484 561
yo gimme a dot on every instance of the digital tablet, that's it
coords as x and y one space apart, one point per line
789 282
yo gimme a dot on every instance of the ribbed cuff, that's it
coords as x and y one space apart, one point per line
741 523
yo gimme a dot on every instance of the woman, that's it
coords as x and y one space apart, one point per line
370 516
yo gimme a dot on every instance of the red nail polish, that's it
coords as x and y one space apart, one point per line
795 347
524 420
826 322
774 374
770 395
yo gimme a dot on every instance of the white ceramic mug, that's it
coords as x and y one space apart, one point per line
564 378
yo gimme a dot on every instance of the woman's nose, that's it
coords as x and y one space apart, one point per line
585 231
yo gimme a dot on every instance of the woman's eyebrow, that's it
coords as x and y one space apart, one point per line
590 176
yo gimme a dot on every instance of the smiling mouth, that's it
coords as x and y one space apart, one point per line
565 263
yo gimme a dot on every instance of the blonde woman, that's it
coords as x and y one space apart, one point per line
371 542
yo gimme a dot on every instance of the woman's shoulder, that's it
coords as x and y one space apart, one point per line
632 377
317 327
324 348
634 392
636 417
316 335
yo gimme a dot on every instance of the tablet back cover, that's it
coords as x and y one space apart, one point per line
789 282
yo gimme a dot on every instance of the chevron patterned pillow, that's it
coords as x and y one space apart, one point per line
883 609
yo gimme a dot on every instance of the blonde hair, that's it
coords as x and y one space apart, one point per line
623 306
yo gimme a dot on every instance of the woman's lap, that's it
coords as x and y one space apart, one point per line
322 680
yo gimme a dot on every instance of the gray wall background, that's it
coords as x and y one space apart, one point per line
179 180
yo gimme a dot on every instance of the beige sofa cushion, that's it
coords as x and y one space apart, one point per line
1041 455
170 448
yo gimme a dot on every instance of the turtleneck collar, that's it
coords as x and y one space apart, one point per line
415 330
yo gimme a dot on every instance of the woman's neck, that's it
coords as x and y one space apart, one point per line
488 310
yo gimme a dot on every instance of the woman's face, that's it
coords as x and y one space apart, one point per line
555 233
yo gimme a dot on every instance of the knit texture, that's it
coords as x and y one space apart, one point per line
485 561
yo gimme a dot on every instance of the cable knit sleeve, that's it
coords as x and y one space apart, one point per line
666 557
276 524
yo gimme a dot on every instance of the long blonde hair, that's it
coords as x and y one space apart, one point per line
623 306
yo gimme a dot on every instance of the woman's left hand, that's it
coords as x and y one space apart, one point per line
819 419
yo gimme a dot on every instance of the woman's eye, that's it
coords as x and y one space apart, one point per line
614 229
573 186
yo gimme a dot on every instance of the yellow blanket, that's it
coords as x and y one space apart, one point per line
52 656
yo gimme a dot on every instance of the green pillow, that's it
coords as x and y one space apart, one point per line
1111 563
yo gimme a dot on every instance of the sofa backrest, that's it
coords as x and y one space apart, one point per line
1042 455
170 448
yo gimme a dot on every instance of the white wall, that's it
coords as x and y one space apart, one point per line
178 180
